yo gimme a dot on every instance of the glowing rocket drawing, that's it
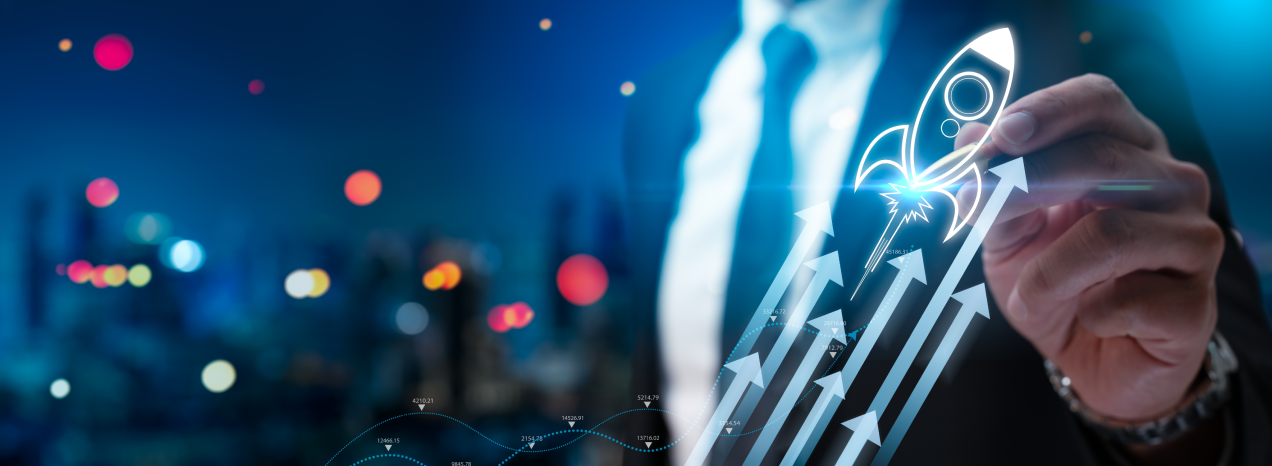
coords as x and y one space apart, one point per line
924 161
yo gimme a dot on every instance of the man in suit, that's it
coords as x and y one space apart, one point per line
1123 292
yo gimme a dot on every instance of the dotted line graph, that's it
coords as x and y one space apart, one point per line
585 432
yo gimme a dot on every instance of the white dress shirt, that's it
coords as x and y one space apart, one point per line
847 38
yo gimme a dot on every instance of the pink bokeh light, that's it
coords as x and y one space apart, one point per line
113 52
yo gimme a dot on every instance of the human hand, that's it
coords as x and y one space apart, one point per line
1114 285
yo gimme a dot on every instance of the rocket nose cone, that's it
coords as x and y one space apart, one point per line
997 46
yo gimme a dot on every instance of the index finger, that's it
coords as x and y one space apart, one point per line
1083 105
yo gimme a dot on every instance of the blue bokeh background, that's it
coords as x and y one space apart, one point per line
485 130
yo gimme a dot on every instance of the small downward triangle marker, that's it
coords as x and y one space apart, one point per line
832 353
388 447
646 404
648 444
773 318
571 423
834 330
531 445
421 407
728 429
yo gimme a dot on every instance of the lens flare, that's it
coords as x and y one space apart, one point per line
582 279
218 376
139 275
362 187
64 45
545 24
256 87
113 52
102 192
628 88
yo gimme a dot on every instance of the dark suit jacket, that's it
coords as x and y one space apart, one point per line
993 404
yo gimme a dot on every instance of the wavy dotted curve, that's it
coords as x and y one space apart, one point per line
342 449
591 431
387 455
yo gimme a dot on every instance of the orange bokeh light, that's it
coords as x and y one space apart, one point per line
434 279
582 279
496 320
451 271
115 275
80 271
362 187
102 192
99 276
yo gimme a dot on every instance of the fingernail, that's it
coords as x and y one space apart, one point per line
1016 128
1016 306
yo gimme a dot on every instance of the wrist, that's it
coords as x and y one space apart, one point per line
1202 401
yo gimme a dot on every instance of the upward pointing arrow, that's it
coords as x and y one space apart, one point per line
864 427
827 270
910 268
1011 176
796 386
748 372
817 220
974 302
832 393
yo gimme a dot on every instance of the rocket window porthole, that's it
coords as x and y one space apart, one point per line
950 128
977 82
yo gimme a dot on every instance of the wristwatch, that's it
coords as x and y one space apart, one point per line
1203 401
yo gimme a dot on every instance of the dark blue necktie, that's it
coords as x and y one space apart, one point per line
764 224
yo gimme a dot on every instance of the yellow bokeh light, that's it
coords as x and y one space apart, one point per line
139 275
218 376
545 24
116 275
322 282
628 88
434 279
64 45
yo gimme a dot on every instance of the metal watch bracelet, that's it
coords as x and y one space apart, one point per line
1203 401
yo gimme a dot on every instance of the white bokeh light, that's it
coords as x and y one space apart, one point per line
184 255
299 283
411 318
219 376
60 388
